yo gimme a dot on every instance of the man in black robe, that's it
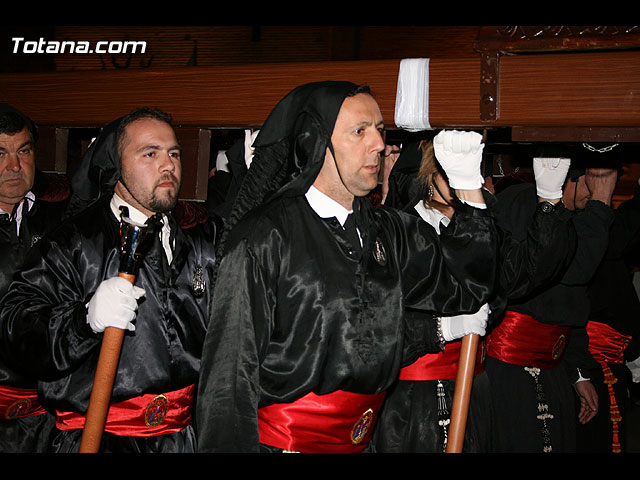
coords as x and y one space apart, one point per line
24 218
69 292
535 353
307 330
614 334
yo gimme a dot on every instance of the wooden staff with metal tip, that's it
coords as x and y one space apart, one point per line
134 239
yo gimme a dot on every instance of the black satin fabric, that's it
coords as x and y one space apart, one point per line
98 172
36 222
43 317
183 441
614 302
408 421
515 210
612 295
27 434
563 302
306 316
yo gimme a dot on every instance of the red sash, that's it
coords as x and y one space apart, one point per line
522 340
144 416
19 402
332 423
441 365
606 344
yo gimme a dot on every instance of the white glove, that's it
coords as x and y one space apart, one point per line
460 154
460 326
114 305
550 174
634 368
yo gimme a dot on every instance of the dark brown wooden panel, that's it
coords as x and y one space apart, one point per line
195 143
554 90
51 151
240 96
589 89
454 92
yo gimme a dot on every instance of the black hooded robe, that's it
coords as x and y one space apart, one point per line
307 314
43 316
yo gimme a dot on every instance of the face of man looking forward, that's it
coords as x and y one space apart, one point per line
17 168
150 166
357 142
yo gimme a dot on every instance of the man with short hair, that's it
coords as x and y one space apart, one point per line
69 292
24 219
307 329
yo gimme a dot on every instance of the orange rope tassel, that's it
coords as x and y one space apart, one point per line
616 417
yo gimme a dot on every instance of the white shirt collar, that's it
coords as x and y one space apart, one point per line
31 199
30 196
134 214
432 216
325 206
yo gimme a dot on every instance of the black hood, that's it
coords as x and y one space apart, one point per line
291 146
99 170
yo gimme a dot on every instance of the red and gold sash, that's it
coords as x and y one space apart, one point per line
606 344
144 416
441 365
333 423
19 402
522 340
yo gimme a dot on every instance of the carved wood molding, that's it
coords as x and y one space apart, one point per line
514 39
494 41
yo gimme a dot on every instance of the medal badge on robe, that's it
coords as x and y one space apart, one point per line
379 253
197 283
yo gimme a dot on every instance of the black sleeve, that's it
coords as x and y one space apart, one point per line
43 328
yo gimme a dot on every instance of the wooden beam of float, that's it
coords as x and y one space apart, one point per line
596 90
599 89
232 96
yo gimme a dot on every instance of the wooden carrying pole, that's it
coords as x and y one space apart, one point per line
102 386
462 393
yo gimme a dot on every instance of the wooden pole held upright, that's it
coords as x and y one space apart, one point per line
102 386
462 393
